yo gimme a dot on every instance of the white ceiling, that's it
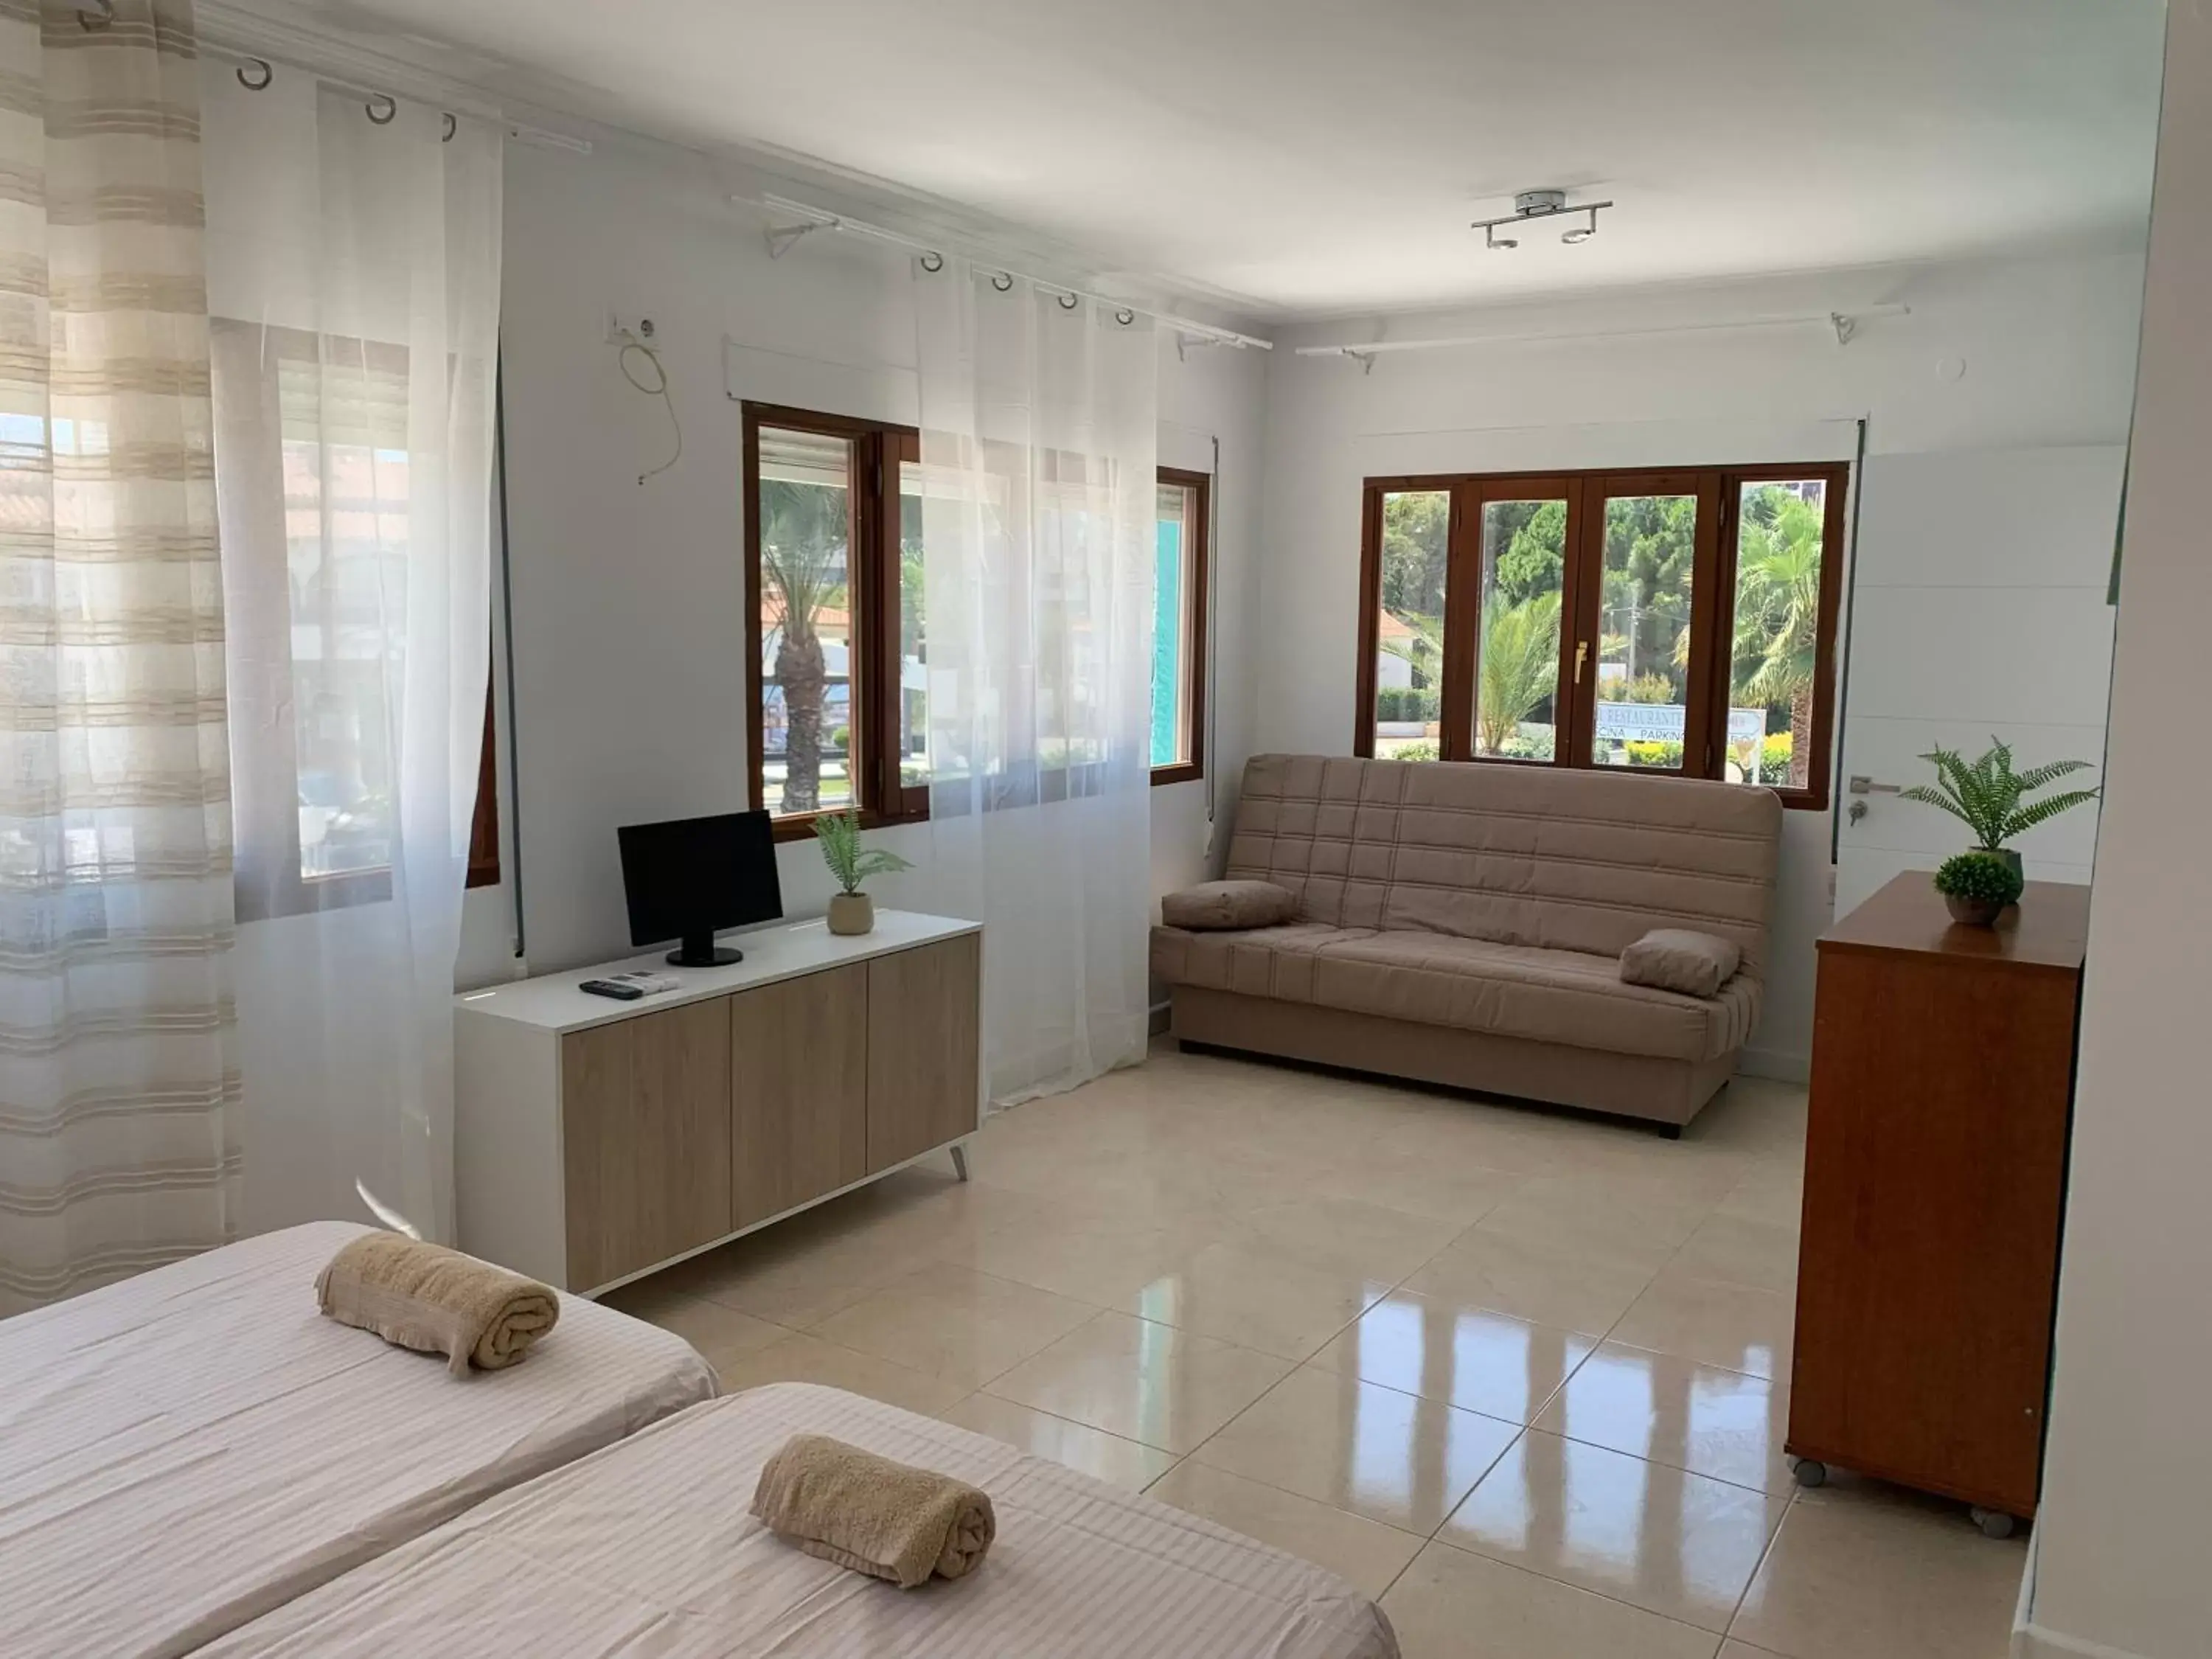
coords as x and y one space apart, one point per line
1323 156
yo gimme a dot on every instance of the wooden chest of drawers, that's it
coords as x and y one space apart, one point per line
1935 1175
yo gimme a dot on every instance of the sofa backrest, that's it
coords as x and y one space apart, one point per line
1564 859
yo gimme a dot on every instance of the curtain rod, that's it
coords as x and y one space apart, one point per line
781 238
1845 324
236 46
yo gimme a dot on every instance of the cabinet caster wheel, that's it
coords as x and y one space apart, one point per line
1810 1473
1994 1524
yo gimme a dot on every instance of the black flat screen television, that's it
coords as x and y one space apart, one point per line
688 877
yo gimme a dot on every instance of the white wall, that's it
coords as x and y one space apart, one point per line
2122 1540
628 601
2048 350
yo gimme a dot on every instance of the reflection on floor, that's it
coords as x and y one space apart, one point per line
1513 1372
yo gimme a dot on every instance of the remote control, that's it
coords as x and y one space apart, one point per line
610 987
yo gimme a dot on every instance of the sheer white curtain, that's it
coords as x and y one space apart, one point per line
353 276
1039 426
119 1131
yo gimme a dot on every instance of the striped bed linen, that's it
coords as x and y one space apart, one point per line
185 1450
646 1548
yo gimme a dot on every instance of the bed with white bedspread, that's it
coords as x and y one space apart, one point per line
647 1549
185 1450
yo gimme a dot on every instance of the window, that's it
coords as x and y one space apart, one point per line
1679 622
312 483
1179 629
837 657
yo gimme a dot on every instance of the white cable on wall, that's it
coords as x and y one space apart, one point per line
658 389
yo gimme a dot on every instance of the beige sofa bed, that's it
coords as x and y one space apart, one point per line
1464 925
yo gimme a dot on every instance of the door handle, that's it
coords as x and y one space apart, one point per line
1581 651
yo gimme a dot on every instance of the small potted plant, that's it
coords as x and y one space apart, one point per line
851 910
1976 887
1987 796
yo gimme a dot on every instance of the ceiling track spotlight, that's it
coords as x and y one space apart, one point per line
1530 205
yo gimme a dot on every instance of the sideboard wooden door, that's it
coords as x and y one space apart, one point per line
924 1028
645 1107
798 1091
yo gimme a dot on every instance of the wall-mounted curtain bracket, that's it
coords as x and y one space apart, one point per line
782 239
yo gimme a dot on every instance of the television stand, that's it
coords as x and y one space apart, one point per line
700 950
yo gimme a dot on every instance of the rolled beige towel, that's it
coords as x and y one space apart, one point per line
872 1515
436 1301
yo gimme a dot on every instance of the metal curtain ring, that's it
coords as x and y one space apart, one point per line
389 104
266 72
1004 282
452 126
932 262
1068 302
94 15
1125 316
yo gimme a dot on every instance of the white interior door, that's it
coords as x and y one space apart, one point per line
1979 611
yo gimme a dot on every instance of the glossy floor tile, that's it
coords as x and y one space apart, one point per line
1474 1358
954 1322
1724 1424
1520 1372
1143 1380
1256 1298
800 1357
1655 1537
1739 1327
1109 1457
1358 1446
1553 1284
1862 1571
723 1336
1452 1605
1739 1250
1366 1552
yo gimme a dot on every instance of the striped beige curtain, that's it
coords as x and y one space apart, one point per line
118 1086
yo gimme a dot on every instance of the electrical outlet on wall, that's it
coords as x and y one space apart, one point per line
623 326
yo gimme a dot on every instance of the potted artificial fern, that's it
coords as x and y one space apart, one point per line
1989 797
851 910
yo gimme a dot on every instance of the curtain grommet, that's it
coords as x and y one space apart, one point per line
384 101
1068 302
93 15
1003 282
262 66
933 263
1125 316
452 126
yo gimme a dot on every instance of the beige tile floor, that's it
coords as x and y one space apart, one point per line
1515 1373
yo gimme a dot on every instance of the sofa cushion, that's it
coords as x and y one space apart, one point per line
1679 959
1219 906
1570 997
1265 962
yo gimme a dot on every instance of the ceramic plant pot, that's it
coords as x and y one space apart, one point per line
852 913
1972 913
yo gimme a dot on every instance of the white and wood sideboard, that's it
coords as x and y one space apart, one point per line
595 1140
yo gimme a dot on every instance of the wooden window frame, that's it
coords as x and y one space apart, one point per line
1712 593
878 449
1201 484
